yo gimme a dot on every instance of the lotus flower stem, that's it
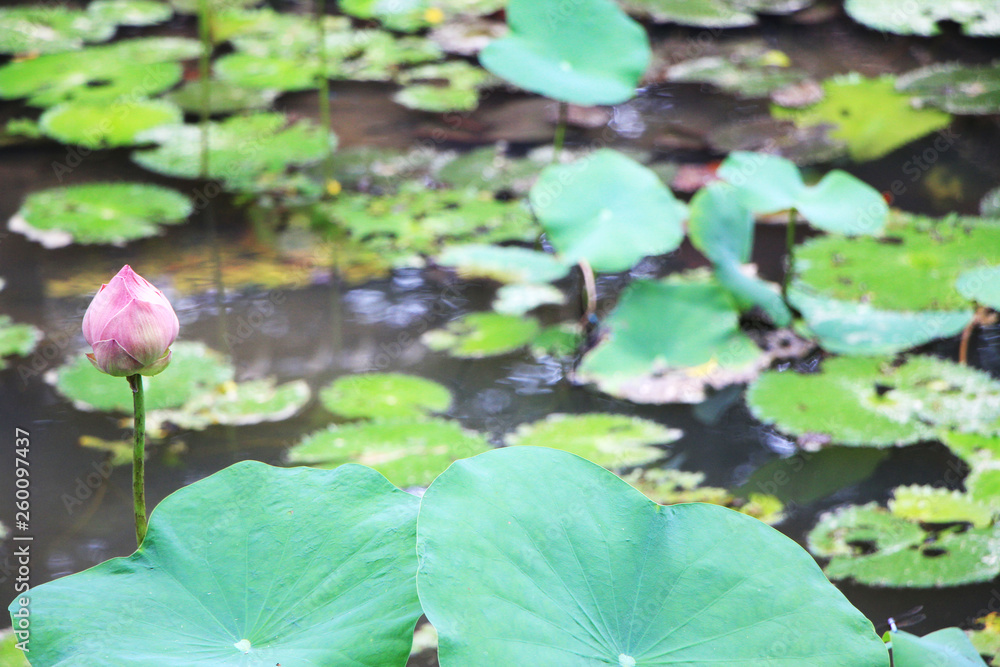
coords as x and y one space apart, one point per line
789 252
560 137
139 458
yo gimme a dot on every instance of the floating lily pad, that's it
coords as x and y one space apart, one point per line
948 646
403 15
751 71
607 209
875 548
248 565
847 327
385 396
669 486
241 148
921 17
986 640
954 87
613 578
409 453
489 167
712 13
506 264
610 440
806 476
458 92
235 404
868 114
16 339
267 72
869 402
702 335
214 6
478 335
926 504
914 268
194 369
102 126
594 54
520 298
981 285
838 203
10 655
128 70
225 97
50 29
99 213
130 12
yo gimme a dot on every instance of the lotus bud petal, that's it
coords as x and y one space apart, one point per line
130 325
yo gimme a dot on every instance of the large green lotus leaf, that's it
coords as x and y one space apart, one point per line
607 209
847 327
225 97
241 148
50 29
721 226
253 565
126 71
408 452
750 70
868 114
842 204
749 291
954 87
16 339
478 335
981 285
585 570
711 13
591 54
130 12
384 396
920 17
506 264
914 268
765 183
869 401
927 504
234 404
610 440
947 647
102 126
194 369
99 213
659 325
875 548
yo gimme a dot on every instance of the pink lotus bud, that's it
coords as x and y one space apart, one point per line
130 325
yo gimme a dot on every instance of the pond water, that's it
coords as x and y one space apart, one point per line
333 327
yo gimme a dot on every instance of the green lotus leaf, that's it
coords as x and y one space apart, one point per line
252 564
954 87
10 655
765 183
241 149
711 13
669 486
587 571
972 447
866 401
385 396
235 404
102 126
112 213
927 504
130 12
558 340
506 264
225 97
489 167
194 369
125 72
805 477
459 92
404 15
703 336
610 440
267 72
986 640
751 71
948 646
478 335
983 484
592 54
875 548
50 29
410 453
981 285
214 6
16 339
868 114
749 291
847 327
521 298
979 17
607 209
